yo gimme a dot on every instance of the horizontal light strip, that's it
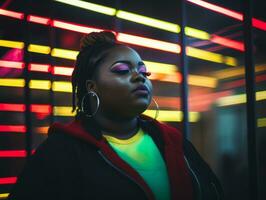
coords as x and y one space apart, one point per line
261 122
205 55
40 84
12 82
202 81
63 111
62 86
42 129
41 108
12 64
13 128
39 67
39 49
172 116
147 42
12 14
60 70
12 44
63 53
230 13
71 26
90 6
8 180
237 72
227 42
13 154
196 33
239 99
148 21
12 107
4 195
38 19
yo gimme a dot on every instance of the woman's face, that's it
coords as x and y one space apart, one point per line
122 85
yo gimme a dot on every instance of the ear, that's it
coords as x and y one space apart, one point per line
90 85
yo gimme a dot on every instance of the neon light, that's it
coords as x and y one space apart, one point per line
230 61
12 44
8 180
156 67
39 108
38 20
261 122
147 42
148 21
230 13
172 116
227 42
204 55
39 49
63 53
12 14
12 153
12 82
90 6
39 67
12 64
4 195
74 27
174 77
203 81
64 111
192 32
62 86
42 129
40 84
12 107
13 128
58 70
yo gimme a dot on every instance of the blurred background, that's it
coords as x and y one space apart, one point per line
39 41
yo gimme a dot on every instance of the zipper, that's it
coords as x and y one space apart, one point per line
195 177
216 192
122 172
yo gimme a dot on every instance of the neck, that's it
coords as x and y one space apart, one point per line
117 127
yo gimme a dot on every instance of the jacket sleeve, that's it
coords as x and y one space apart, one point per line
47 174
209 184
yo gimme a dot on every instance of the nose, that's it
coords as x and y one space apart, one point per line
137 76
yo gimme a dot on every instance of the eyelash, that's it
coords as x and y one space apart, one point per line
126 71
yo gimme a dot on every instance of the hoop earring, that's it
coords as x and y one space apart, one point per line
97 107
157 109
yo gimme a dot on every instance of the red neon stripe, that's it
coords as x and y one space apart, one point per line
12 64
12 107
12 14
59 70
13 153
230 13
227 42
39 67
39 20
73 27
8 180
39 108
13 128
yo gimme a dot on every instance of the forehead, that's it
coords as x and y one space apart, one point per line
122 53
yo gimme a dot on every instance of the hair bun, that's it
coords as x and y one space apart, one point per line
94 38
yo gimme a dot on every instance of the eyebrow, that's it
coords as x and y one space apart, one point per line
140 63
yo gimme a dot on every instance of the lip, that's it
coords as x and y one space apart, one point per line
142 90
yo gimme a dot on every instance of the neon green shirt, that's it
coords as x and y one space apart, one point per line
141 153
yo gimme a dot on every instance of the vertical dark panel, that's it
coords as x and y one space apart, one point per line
183 67
251 100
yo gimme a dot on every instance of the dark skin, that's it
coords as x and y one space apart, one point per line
115 80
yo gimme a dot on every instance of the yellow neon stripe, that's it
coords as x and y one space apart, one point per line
12 82
203 81
62 86
64 111
196 33
237 72
12 44
230 61
39 49
64 53
261 122
205 55
163 68
148 21
239 99
172 116
90 6
40 84
4 195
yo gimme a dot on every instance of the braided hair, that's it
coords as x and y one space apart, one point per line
93 49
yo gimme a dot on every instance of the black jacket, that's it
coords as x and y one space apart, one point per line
75 164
